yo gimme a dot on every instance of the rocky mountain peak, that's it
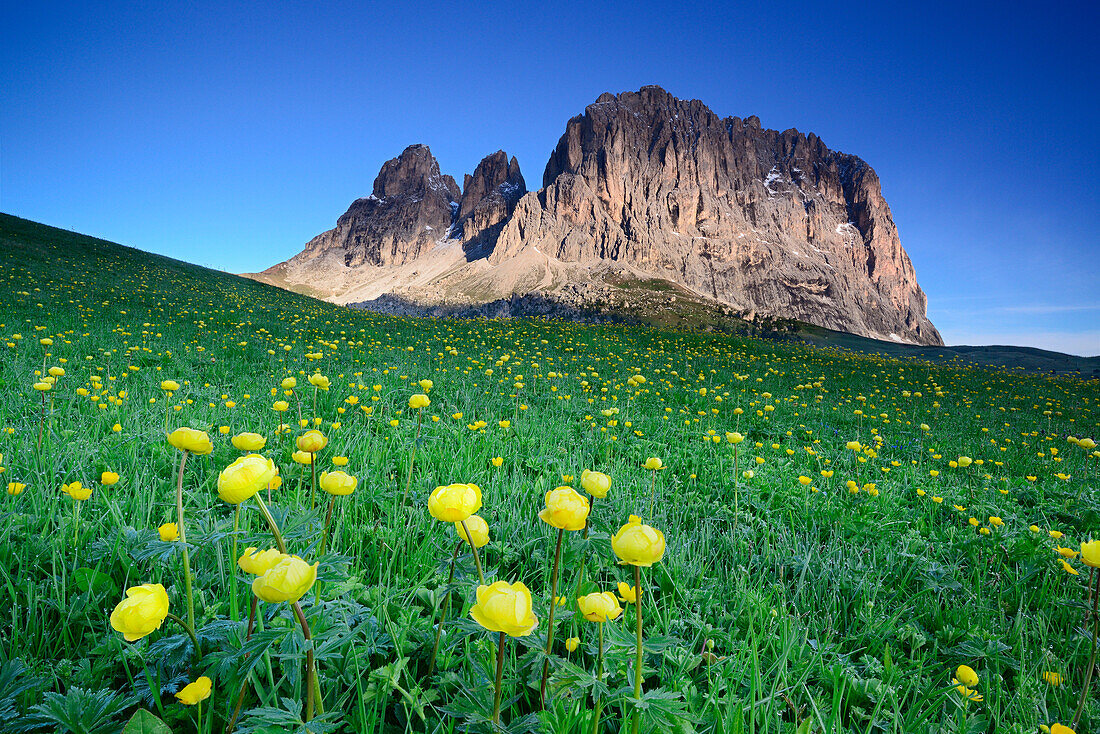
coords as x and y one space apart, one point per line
645 185
489 196
414 173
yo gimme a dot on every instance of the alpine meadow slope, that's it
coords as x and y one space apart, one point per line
230 507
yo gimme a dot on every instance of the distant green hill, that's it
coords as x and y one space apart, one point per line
65 254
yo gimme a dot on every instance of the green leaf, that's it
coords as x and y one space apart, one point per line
94 581
143 722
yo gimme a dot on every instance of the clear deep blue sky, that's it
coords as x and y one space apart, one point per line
230 136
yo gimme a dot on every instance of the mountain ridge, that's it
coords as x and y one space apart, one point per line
766 223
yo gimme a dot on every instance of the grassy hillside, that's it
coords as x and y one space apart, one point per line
841 531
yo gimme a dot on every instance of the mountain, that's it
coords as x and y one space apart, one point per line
642 187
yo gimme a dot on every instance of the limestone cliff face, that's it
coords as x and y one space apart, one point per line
766 221
643 184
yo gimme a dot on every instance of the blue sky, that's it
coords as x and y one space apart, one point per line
230 134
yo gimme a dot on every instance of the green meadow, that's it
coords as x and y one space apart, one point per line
841 532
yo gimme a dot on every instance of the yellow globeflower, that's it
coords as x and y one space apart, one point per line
965 461
16 488
169 386
454 502
599 607
245 477
595 483
192 693
497 460
654 463
280 406
337 483
57 371
804 480
77 491
966 675
43 387
565 509
419 401
288 580
248 442
289 383
188 439
638 544
142 611
1061 729
572 643
257 562
1090 553
312 441
505 607
108 478
479 529
168 532
854 446
426 385
302 457
734 437
628 593
319 380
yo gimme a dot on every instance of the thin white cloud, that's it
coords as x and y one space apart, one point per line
1083 343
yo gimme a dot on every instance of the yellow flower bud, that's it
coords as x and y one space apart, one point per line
565 509
654 464
505 607
312 441
1090 553
187 439
288 580
454 502
599 607
595 483
245 477
141 612
248 442
302 457
168 532
572 643
966 676
479 529
337 483
638 544
419 401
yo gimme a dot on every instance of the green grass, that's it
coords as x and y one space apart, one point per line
776 608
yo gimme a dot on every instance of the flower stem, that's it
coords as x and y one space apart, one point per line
232 565
477 557
638 661
311 673
312 480
550 624
190 633
270 524
599 677
1092 654
412 460
324 533
500 676
443 613
183 543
